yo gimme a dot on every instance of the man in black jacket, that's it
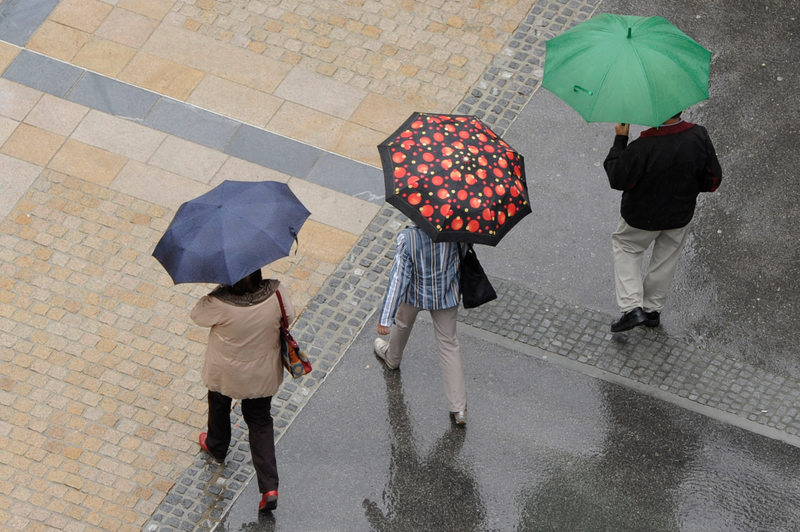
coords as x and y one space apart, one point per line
661 174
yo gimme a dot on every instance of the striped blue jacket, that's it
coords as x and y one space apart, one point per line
424 275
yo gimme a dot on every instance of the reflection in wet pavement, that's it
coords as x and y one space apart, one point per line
428 493
615 490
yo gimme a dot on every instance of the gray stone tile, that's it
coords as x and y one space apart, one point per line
273 151
113 97
191 123
350 177
19 19
43 73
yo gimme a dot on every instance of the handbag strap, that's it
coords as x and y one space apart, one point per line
284 320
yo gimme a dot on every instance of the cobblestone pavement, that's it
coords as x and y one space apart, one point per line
427 54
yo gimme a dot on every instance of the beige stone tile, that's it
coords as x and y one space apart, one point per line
188 159
235 100
7 127
84 15
56 115
155 9
15 178
125 27
310 126
104 56
320 92
119 136
32 144
334 208
157 185
58 41
381 114
324 243
161 75
359 143
87 162
7 54
236 169
16 100
214 57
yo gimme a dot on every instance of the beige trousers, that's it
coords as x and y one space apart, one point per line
444 326
629 245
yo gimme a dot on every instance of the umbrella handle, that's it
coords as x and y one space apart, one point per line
296 240
578 88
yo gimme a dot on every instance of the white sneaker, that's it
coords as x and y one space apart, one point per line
381 348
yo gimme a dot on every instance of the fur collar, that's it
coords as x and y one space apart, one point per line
225 294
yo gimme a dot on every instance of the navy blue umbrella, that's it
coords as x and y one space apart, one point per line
230 232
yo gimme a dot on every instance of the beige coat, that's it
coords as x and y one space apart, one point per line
243 358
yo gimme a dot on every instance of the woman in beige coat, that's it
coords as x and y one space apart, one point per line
243 361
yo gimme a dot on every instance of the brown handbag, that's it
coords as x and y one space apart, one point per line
294 360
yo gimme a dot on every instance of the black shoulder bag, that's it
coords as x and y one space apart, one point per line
475 286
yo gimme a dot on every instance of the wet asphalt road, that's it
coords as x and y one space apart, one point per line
550 449
735 291
545 449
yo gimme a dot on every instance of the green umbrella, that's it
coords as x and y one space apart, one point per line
620 68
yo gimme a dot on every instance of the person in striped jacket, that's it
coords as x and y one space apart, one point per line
425 276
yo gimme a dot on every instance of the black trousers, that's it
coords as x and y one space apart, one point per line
262 439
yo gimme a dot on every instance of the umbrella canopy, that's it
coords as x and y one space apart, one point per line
619 68
230 232
455 178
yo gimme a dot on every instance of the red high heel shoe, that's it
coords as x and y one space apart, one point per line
269 501
204 446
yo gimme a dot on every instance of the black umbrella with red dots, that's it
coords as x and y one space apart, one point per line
455 178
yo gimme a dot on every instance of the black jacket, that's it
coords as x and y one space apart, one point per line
661 174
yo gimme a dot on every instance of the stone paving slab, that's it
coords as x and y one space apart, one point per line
112 97
19 19
43 73
186 121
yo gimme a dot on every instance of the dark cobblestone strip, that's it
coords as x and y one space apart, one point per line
516 72
646 356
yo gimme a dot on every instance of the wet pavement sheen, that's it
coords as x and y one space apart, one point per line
544 449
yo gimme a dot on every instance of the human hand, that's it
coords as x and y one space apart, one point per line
383 331
622 129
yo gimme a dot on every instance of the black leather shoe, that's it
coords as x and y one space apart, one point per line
653 319
629 320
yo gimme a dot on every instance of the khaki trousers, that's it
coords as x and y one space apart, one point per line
629 245
444 326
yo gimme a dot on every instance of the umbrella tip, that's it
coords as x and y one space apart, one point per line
629 33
